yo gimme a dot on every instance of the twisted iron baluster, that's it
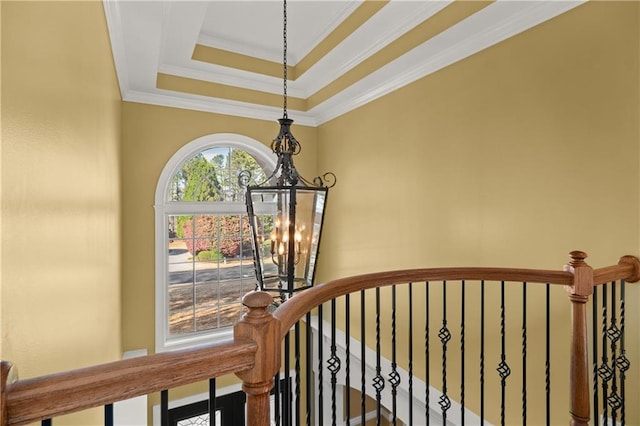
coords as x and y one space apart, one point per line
604 371
524 353
445 336
622 361
394 377
503 368
378 380
333 362
462 320
613 334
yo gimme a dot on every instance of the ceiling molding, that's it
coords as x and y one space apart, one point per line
445 49
219 106
231 77
151 37
396 19
112 14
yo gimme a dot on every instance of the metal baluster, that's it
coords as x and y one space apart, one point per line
603 371
347 361
363 358
309 370
503 368
108 415
594 335
333 363
445 336
462 320
426 351
524 353
286 397
482 352
394 377
378 380
410 353
622 361
547 367
613 334
164 408
297 370
212 402
277 400
320 366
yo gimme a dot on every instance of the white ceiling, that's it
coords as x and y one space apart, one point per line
151 37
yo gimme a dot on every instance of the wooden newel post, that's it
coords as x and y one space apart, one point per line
579 294
260 326
8 375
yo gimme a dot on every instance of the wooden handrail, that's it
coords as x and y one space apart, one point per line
32 400
254 352
290 313
628 268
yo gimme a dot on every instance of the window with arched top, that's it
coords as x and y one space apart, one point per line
204 259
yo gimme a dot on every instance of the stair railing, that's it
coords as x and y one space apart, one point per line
254 353
578 278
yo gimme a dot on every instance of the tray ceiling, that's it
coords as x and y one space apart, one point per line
226 56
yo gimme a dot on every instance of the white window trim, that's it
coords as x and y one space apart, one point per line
265 158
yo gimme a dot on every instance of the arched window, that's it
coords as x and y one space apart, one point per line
204 262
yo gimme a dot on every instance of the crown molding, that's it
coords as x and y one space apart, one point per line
137 64
233 77
445 49
167 98
114 23
220 42
390 23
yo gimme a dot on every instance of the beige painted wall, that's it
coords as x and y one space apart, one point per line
512 157
60 190
151 135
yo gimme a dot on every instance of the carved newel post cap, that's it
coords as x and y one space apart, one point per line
257 299
577 258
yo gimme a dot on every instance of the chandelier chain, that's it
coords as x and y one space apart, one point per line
284 57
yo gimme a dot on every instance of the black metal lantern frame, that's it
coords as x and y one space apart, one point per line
286 220
286 212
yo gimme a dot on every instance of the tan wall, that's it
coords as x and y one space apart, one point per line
60 190
151 136
512 157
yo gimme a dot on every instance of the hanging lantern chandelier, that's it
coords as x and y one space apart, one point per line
286 212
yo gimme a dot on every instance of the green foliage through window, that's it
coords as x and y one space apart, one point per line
213 176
